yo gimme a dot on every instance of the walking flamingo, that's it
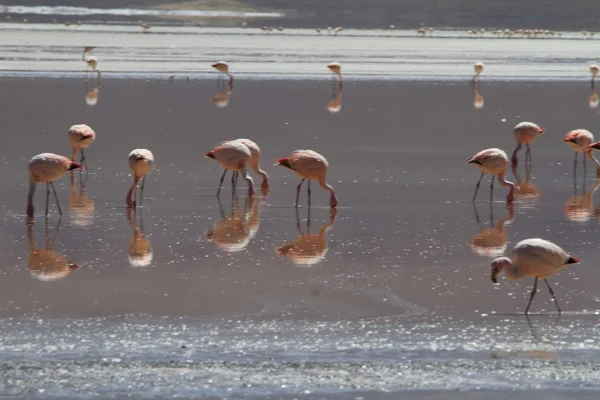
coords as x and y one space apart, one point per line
478 67
582 141
235 156
141 162
45 168
536 258
223 67
494 162
309 164
92 62
525 133
81 136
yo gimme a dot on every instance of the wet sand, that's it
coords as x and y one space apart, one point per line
397 280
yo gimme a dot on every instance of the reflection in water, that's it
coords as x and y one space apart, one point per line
221 100
477 97
233 233
580 206
526 191
91 92
593 101
308 249
491 242
140 247
541 337
46 264
335 104
81 207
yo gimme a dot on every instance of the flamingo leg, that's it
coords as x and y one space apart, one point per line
532 295
221 182
56 198
553 296
528 154
492 188
584 166
514 158
308 191
142 190
575 165
477 188
298 191
249 180
83 161
47 197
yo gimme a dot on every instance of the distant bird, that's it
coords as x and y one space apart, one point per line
280 28
234 156
318 30
255 162
309 164
338 30
86 50
92 62
171 78
80 137
582 141
223 67
536 258
478 67
525 133
329 30
141 162
594 69
45 168
336 69
145 27
494 162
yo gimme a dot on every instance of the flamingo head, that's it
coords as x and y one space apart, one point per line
73 165
284 162
210 154
497 266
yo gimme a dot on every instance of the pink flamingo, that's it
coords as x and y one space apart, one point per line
235 156
255 163
525 133
223 67
45 168
140 164
537 258
580 140
494 162
81 136
309 164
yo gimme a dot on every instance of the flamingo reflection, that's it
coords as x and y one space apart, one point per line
221 100
580 206
593 100
81 207
477 97
140 247
233 233
91 93
525 190
492 242
308 249
335 104
46 264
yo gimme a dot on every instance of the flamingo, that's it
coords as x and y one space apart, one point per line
223 67
537 258
525 133
594 69
145 27
255 163
45 168
478 67
141 162
338 30
86 50
582 141
235 156
309 164
92 62
336 69
81 136
494 162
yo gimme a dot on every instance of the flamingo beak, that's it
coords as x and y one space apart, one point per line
73 266
495 273
74 165
542 130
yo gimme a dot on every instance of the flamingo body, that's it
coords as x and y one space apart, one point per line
233 155
335 68
579 140
594 69
527 132
494 162
80 137
141 162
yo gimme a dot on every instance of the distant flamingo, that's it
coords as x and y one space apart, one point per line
235 156
309 164
536 258
223 67
45 168
336 69
86 50
81 136
525 133
145 27
478 67
92 62
582 141
494 162
594 69
141 162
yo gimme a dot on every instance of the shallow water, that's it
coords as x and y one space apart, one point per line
394 293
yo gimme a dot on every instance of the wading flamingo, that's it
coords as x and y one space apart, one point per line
594 69
235 156
309 164
81 136
336 69
525 133
255 163
494 162
141 162
582 141
478 67
536 258
45 168
92 62
223 67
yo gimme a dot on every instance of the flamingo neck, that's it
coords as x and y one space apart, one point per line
511 194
